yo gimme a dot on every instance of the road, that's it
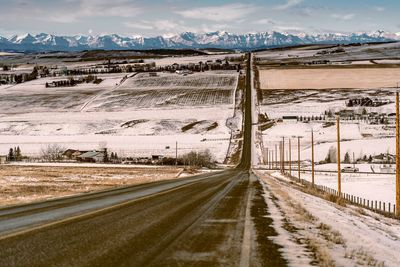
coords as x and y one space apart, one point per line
216 219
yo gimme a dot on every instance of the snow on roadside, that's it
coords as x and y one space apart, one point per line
344 236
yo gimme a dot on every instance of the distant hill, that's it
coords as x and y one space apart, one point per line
188 40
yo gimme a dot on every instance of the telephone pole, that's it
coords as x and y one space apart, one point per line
338 157
276 156
283 155
312 157
397 157
290 157
176 153
280 156
298 157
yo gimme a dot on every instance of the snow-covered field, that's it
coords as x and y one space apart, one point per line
313 231
373 187
168 89
141 116
358 138
278 103
190 59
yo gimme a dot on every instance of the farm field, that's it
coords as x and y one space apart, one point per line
19 184
358 136
190 59
328 78
352 55
169 89
360 139
374 187
278 103
139 116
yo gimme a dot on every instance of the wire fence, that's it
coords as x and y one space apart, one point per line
384 208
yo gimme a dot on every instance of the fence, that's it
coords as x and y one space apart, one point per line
384 208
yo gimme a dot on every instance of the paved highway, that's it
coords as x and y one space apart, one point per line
216 219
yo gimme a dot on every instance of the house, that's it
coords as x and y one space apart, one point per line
391 117
156 158
72 154
384 158
3 159
92 156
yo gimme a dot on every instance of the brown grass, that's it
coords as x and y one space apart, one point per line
363 258
329 78
20 184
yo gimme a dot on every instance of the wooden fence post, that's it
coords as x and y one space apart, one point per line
397 209
338 154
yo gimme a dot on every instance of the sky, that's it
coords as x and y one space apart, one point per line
168 17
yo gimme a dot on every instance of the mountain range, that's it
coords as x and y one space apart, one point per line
220 39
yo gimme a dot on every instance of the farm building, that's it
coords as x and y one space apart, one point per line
289 118
72 154
384 158
92 156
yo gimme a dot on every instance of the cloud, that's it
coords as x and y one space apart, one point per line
343 16
289 4
106 8
264 22
379 8
69 11
162 26
167 27
229 12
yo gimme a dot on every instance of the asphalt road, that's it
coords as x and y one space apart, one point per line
218 219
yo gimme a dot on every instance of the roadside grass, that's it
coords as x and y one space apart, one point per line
19 184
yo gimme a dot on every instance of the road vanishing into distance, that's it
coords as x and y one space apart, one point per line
217 219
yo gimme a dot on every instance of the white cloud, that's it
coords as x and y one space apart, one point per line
379 8
343 16
229 12
264 22
162 26
167 27
106 8
75 10
289 4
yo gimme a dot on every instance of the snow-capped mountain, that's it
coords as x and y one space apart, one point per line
219 39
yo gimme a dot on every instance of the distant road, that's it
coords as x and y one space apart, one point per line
217 219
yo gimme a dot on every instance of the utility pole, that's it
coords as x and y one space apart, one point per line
283 155
397 157
290 157
312 157
267 154
298 157
276 156
271 164
338 157
176 153
280 156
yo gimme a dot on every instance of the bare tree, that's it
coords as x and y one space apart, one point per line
52 152
198 159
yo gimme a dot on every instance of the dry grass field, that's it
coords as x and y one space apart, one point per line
19 184
329 78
